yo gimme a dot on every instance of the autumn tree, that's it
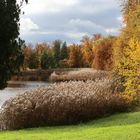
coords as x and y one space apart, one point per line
96 37
75 56
40 48
127 50
87 49
127 7
27 51
129 66
103 51
33 60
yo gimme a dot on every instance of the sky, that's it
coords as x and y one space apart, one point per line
69 20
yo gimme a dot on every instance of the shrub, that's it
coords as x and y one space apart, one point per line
63 103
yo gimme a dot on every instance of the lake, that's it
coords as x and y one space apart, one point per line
16 87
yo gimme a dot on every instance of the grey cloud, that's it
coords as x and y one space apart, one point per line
86 17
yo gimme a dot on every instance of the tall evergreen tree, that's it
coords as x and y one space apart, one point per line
64 51
11 56
56 52
47 60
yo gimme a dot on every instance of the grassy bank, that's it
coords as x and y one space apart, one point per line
117 127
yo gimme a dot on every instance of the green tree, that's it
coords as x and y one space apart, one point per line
33 60
64 51
11 56
56 52
47 60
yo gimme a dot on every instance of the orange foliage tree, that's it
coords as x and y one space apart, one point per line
103 50
75 56
88 48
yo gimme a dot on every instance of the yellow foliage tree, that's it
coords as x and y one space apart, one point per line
129 66
127 50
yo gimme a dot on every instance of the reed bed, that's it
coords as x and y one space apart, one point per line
61 103
79 75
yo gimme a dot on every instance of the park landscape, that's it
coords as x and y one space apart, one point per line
91 89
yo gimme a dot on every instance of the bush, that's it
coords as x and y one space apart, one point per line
63 103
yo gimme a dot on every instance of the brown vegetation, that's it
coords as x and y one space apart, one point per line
63 103
79 75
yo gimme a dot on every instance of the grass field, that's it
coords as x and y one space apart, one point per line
117 127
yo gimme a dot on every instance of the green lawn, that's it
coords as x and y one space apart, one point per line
117 127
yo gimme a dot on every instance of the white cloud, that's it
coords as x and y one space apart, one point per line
48 6
112 30
84 23
76 35
71 34
27 25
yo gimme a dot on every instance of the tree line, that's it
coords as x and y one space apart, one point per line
95 52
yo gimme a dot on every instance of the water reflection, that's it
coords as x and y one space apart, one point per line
16 88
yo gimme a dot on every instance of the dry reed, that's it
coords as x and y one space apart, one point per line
61 103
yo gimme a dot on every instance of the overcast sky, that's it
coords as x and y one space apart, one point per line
69 20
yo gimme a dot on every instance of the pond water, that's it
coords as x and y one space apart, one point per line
16 88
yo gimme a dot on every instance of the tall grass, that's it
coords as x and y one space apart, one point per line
81 74
61 103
